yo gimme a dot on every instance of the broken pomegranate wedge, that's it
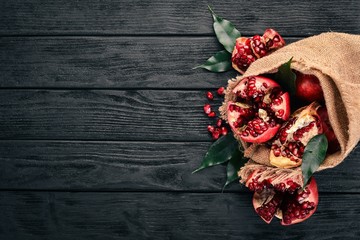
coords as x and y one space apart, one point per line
289 145
286 200
247 50
260 108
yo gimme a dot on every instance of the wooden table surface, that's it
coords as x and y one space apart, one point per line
101 121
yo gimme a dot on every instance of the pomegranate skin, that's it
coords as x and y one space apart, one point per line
308 88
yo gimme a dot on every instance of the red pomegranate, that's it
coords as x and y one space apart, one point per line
308 88
260 108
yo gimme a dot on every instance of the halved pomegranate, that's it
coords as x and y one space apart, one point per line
260 108
282 197
289 145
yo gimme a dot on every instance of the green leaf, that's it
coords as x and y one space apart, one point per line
225 32
220 62
286 78
314 155
220 152
233 167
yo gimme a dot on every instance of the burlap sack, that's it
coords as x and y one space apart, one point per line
334 59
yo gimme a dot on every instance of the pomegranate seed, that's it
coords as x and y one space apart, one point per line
210 128
212 114
207 108
224 131
216 134
220 91
209 95
219 122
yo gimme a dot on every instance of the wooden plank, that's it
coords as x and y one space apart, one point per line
109 62
132 166
175 17
43 215
157 115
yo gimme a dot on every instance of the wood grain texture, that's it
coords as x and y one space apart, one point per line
109 62
132 166
59 215
157 115
175 17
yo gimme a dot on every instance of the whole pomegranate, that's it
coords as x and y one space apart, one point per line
333 143
289 145
247 50
283 197
308 88
259 109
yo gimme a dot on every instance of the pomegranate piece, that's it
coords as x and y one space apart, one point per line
258 46
308 88
260 108
220 91
224 131
212 114
285 200
301 205
333 143
242 55
216 133
266 203
210 128
209 95
247 50
219 122
207 109
272 39
289 145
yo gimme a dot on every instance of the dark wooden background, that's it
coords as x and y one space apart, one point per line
101 121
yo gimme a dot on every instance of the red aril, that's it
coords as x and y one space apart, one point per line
212 114
207 109
209 95
220 91
308 88
259 109
289 145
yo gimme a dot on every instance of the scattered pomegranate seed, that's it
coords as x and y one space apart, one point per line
207 108
209 95
212 114
210 128
216 134
219 122
224 131
220 91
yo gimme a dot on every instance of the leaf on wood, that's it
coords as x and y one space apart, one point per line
221 151
314 155
225 31
286 78
233 167
220 62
